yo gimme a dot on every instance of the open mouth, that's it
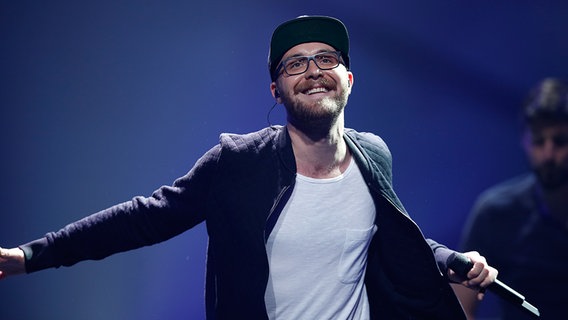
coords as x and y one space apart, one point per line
316 90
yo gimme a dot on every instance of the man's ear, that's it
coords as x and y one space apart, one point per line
275 92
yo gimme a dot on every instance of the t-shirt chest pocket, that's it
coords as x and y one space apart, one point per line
354 256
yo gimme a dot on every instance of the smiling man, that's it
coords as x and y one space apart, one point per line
303 221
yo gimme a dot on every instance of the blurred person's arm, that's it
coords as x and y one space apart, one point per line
468 299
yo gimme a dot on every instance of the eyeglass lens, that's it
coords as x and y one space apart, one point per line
324 61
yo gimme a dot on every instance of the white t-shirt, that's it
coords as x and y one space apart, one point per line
318 250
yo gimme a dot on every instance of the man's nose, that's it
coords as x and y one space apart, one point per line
549 149
313 70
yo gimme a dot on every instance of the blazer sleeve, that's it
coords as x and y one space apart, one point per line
142 221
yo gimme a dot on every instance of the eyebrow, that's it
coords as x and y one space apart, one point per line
305 55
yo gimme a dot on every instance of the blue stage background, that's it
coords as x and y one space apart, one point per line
105 100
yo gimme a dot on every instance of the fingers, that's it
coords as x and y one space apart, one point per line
481 274
479 278
477 274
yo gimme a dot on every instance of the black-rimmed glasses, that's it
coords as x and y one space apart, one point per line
300 64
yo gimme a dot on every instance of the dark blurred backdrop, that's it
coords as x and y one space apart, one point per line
105 100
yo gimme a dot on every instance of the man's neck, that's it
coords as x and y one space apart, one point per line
321 155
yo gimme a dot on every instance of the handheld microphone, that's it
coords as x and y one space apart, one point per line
461 265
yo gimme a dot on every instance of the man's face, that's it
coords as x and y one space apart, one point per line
546 145
315 96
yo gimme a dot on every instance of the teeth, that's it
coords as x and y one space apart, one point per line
316 90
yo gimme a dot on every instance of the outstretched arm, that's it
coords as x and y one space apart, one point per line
12 262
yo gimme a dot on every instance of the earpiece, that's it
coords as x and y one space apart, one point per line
349 83
276 93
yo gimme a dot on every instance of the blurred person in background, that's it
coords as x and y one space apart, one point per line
521 225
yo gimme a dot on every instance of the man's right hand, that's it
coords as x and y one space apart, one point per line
12 262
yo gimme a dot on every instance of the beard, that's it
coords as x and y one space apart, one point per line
551 175
317 115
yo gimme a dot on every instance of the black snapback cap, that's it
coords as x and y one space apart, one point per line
307 29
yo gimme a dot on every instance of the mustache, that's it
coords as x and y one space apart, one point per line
323 82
